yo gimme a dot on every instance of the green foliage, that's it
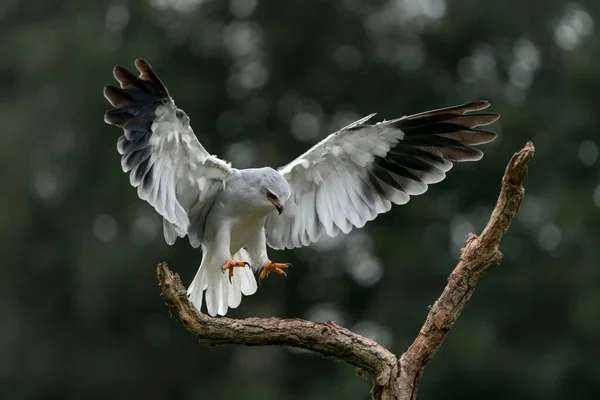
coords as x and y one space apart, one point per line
80 315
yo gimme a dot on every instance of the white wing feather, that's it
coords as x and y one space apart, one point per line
184 172
167 164
360 171
325 184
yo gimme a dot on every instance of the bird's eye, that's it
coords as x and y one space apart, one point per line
271 196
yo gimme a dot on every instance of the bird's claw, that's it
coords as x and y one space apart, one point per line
275 267
231 264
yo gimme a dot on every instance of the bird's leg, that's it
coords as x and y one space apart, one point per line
275 267
231 264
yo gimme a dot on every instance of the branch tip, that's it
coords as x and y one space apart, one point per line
516 170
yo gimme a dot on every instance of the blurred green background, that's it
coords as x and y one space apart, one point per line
262 80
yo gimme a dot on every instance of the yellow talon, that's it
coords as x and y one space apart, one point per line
231 264
275 267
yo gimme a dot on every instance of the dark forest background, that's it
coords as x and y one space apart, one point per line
262 80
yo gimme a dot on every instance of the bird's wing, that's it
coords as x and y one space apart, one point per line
358 172
166 163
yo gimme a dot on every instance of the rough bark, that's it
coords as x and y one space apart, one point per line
393 377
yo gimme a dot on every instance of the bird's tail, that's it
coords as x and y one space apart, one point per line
220 292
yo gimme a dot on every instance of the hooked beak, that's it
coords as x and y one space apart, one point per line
277 205
279 208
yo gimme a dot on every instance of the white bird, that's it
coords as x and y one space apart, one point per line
342 182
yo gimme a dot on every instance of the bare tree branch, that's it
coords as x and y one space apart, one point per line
327 339
479 255
394 378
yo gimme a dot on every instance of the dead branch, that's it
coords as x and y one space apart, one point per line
393 378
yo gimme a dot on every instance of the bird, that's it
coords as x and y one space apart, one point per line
233 215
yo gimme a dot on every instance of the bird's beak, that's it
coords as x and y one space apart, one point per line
279 208
277 205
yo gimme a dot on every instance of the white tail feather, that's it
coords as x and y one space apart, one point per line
220 293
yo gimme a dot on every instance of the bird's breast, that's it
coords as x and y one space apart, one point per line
243 230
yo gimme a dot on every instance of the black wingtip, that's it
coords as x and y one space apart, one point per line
136 98
493 117
117 117
148 74
476 105
117 97
446 132
140 60
126 78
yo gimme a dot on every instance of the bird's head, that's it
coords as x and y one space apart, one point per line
275 189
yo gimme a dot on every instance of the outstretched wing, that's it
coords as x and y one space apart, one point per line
358 172
166 162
